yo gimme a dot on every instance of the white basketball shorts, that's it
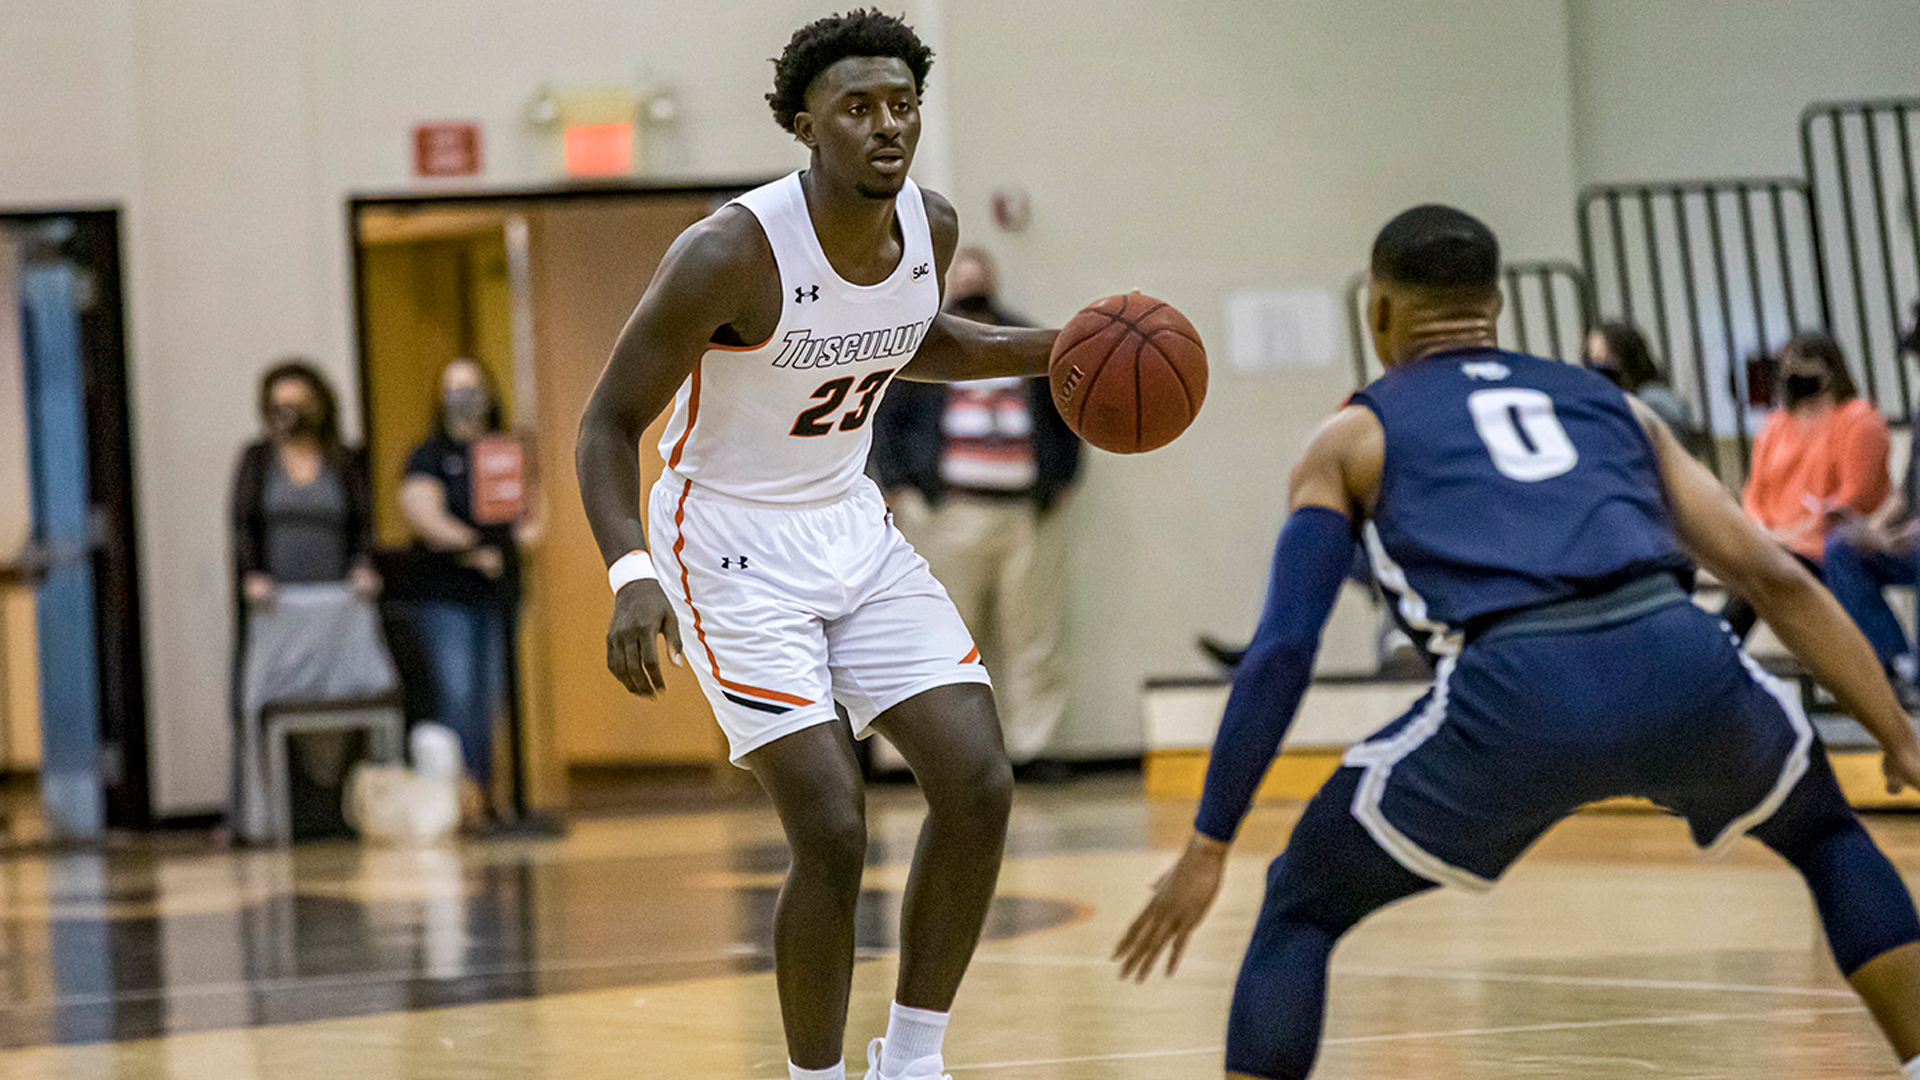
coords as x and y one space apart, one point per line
786 609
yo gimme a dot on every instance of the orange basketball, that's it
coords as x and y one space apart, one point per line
1129 373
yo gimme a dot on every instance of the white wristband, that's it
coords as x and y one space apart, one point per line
629 568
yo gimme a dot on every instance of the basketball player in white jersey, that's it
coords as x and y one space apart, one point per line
772 328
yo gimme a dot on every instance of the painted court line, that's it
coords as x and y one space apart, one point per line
1424 1036
1586 980
1679 1019
1362 971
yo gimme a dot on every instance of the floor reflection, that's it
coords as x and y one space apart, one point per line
126 946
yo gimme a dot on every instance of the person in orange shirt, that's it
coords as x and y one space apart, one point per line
1819 461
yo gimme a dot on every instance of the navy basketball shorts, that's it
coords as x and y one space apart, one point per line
1522 729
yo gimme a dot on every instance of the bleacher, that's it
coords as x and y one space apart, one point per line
1717 270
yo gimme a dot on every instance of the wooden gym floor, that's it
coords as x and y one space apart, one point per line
637 947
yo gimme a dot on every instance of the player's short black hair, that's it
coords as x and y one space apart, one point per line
1438 248
818 45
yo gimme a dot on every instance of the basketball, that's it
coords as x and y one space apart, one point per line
1129 373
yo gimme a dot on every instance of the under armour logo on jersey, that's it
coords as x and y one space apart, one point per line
1485 370
810 292
921 271
727 562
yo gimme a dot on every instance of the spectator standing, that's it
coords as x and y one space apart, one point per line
466 499
975 473
302 509
301 516
1820 459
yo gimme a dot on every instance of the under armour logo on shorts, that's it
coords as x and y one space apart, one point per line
810 292
727 561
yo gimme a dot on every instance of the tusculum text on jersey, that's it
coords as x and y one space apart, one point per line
800 349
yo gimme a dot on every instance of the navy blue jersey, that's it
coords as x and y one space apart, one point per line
1509 481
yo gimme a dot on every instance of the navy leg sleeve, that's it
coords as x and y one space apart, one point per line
1331 876
1863 903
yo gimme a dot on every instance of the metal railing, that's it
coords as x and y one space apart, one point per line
1861 164
1715 272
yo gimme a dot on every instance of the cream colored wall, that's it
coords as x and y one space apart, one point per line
1687 88
232 133
225 268
1189 150
69 134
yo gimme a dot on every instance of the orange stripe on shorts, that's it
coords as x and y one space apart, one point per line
699 631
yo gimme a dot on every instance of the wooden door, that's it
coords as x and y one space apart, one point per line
591 260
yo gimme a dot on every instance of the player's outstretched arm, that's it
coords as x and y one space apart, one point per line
956 349
1330 488
698 288
1801 611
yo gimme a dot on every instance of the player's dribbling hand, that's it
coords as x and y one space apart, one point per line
1902 767
1180 900
641 615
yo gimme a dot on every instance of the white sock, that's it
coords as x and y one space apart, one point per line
837 1072
912 1034
1913 1069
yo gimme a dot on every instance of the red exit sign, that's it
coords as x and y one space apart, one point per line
446 149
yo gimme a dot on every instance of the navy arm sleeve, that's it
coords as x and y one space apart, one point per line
1309 563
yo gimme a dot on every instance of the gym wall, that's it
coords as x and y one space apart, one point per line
1187 149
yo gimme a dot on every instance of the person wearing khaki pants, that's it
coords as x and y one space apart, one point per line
975 474
1000 560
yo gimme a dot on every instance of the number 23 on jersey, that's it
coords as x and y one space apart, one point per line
814 421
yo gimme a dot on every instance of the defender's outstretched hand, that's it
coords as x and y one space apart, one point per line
640 615
1180 900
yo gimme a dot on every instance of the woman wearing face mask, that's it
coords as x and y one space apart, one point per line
467 577
302 515
1820 459
301 509
1619 351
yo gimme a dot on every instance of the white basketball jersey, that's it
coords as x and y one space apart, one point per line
790 420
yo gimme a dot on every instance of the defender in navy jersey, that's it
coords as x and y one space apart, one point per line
1467 526
1536 525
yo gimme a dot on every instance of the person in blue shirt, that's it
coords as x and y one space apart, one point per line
1536 526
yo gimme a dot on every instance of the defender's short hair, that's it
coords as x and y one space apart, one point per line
1438 248
819 45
